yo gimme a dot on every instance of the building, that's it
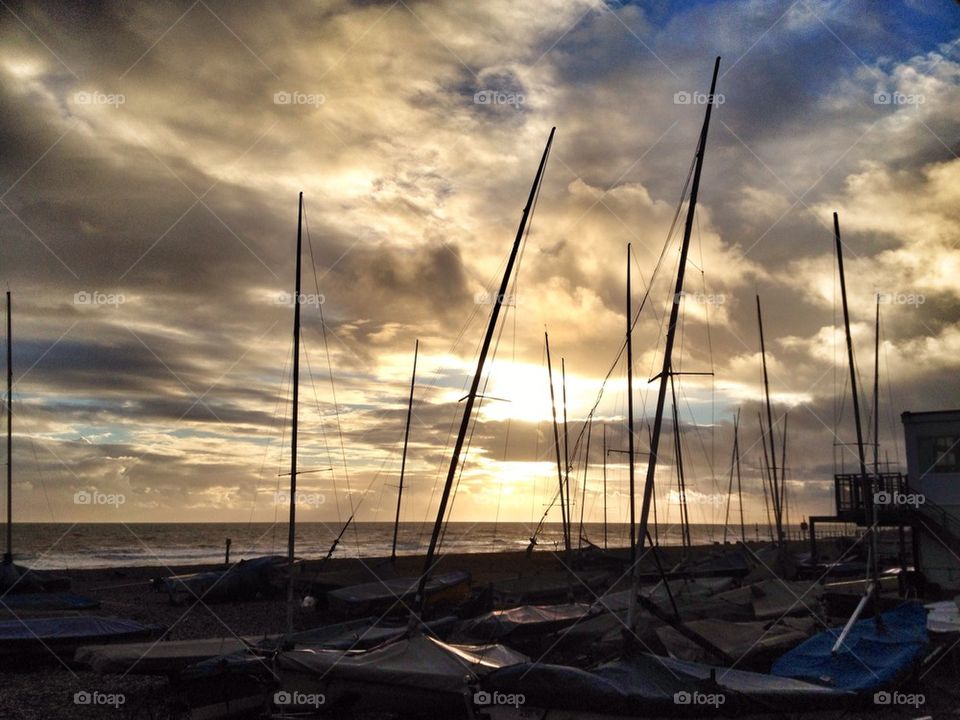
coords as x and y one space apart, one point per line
932 443
923 505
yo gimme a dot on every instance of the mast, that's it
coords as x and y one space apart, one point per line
568 527
604 486
8 554
736 454
292 529
865 479
774 487
586 470
733 455
403 462
784 502
472 396
671 334
876 392
681 480
556 445
630 431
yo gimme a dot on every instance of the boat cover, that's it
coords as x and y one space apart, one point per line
70 628
395 590
870 657
419 662
647 685
18 579
173 657
522 621
245 580
156 658
736 639
943 617
30 602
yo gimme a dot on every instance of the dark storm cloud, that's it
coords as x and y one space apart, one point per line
182 199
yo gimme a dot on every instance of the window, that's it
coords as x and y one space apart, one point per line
939 454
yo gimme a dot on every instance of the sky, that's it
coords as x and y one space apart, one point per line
153 156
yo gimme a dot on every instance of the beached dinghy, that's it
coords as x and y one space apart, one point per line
40 639
397 595
647 686
519 623
173 657
547 587
415 677
21 604
755 644
245 580
944 617
871 655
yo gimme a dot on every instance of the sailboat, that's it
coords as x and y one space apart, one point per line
16 578
418 675
27 641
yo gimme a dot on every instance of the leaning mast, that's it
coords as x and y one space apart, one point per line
671 333
475 385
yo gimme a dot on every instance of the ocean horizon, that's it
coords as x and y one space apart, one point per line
106 545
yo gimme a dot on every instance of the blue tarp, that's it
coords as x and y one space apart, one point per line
70 628
871 656
48 601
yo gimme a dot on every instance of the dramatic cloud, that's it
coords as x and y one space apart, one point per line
153 157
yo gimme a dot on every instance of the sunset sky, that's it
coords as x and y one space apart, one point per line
152 156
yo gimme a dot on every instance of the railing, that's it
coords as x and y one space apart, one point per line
939 516
848 489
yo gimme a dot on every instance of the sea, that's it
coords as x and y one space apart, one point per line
109 545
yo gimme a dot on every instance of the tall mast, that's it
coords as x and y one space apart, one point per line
671 334
604 486
586 470
292 529
876 391
568 529
774 488
8 555
865 479
630 431
403 462
784 502
472 396
736 454
681 480
556 445
733 455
